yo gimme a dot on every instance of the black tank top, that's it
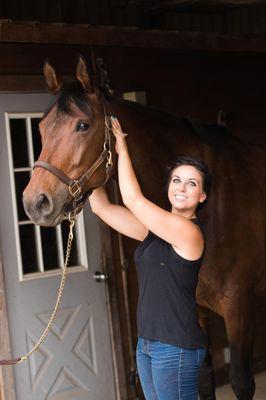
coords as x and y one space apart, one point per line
167 309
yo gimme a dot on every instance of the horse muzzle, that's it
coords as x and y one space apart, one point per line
44 209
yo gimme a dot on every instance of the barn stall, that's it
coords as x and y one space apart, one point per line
159 53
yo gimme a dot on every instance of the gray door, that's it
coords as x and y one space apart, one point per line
75 361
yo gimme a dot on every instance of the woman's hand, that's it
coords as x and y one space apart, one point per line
119 135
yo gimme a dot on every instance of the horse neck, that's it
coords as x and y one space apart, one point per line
153 140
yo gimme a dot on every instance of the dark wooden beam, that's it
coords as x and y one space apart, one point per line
177 4
19 32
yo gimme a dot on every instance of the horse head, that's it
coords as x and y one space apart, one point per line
77 148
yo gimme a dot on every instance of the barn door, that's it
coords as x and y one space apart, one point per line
75 361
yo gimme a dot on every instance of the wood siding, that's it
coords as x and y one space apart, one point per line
202 16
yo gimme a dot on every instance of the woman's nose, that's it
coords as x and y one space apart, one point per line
182 187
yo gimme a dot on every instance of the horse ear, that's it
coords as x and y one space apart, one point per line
53 83
82 74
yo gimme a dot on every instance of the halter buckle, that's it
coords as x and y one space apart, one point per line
74 189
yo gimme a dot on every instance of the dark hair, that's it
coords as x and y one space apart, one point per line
71 93
199 164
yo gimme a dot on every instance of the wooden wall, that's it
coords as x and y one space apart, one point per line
149 14
197 84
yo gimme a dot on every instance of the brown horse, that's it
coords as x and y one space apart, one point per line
73 134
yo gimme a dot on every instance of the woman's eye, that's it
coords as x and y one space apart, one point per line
82 126
176 180
192 183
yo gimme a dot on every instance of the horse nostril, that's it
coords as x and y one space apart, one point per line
44 205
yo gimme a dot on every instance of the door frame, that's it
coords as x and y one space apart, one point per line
7 382
108 265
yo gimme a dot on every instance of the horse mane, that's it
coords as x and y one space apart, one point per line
71 93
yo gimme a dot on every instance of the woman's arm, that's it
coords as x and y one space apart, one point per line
118 217
181 232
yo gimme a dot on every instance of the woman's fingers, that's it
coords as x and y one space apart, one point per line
115 122
116 127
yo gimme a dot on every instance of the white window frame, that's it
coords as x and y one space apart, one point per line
79 226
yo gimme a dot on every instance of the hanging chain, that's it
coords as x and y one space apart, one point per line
72 220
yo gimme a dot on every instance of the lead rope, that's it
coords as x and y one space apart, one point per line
72 220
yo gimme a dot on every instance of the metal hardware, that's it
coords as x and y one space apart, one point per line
78 207
74 189
100 276
109 159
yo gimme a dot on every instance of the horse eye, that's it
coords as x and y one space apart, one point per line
82 126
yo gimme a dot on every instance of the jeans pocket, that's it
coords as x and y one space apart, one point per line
201 356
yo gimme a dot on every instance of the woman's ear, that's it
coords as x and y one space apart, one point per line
203 197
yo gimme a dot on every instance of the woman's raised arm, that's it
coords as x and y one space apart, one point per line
178 230
117 217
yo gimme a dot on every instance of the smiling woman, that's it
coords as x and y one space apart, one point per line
168 328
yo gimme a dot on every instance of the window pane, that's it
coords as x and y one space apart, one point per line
21 181
36 137
74 258
49 248
28 248
19 142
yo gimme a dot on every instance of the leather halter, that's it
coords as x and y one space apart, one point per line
77 187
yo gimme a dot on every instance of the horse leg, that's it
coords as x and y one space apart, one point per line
207 377
239 322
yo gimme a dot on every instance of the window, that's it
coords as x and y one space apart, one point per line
41 249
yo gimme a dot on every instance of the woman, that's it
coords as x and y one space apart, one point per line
171 343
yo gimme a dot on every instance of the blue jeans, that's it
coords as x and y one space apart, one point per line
168 372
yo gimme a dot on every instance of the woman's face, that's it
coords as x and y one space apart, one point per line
185 190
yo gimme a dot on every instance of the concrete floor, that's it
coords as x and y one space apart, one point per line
225 392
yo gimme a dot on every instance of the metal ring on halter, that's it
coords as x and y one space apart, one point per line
72 217
106 117
106 146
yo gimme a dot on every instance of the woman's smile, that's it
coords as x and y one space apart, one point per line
180 197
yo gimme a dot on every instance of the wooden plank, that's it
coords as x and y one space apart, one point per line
7 386
19 32
203 3
22 83
108 263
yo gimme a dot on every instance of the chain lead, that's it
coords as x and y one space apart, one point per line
72 220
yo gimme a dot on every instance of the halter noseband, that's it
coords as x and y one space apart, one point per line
77 187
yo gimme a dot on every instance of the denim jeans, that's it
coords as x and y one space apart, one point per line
168 372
